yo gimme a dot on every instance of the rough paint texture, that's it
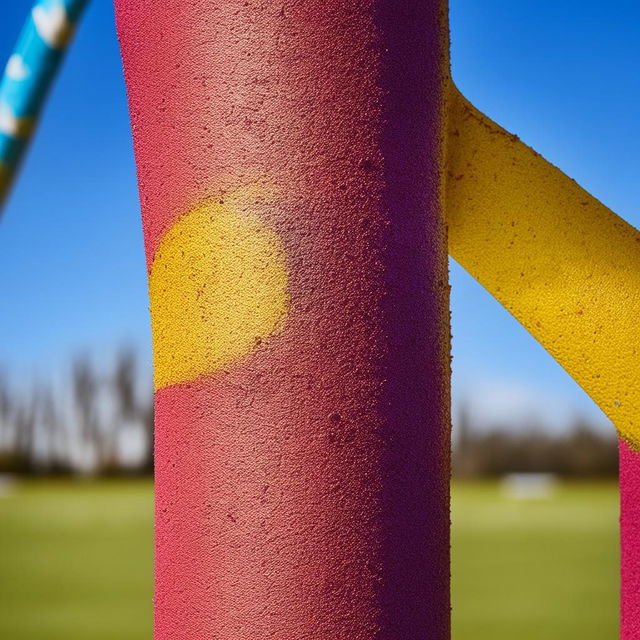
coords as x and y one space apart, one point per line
568 269
629 537
302 489
218 288
562 263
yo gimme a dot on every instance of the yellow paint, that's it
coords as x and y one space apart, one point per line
562 263
218 289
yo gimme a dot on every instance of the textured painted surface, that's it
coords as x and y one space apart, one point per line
569 270
218 288
629 538
28 76
301 487
562 263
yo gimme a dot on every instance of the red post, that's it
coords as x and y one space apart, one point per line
629 542
289 158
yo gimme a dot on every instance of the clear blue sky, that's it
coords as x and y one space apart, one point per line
561 74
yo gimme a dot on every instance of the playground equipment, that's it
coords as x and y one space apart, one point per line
28 76
568 269
304 169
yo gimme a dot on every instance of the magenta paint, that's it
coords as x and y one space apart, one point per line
303 492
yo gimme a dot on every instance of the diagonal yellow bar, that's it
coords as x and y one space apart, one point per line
562 263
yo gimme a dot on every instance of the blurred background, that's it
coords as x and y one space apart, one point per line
535 549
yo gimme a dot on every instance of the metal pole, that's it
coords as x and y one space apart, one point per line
568 269
28 76
629 538
290 167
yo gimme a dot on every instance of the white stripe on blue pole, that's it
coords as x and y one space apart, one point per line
28 76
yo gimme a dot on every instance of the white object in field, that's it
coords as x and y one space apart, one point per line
529 486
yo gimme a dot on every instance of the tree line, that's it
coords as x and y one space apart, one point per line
581 451
101 422
92 424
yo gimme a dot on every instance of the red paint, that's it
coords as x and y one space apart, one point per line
629 542
304 492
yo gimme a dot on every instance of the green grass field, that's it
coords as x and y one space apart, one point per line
76 561
542 570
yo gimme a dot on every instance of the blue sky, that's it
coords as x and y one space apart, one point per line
560 74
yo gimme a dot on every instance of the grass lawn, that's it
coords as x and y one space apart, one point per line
535 570
76 561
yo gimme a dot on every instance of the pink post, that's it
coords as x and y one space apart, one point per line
629 542
290 161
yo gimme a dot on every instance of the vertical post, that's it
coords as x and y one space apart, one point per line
629 546
289 158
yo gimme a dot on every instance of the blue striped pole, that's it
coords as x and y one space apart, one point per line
28 76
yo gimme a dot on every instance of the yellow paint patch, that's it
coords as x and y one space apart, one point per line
562 263
218 289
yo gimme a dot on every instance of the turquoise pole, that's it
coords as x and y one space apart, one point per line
28 76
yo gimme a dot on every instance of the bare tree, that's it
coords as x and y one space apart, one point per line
5 414
85 395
